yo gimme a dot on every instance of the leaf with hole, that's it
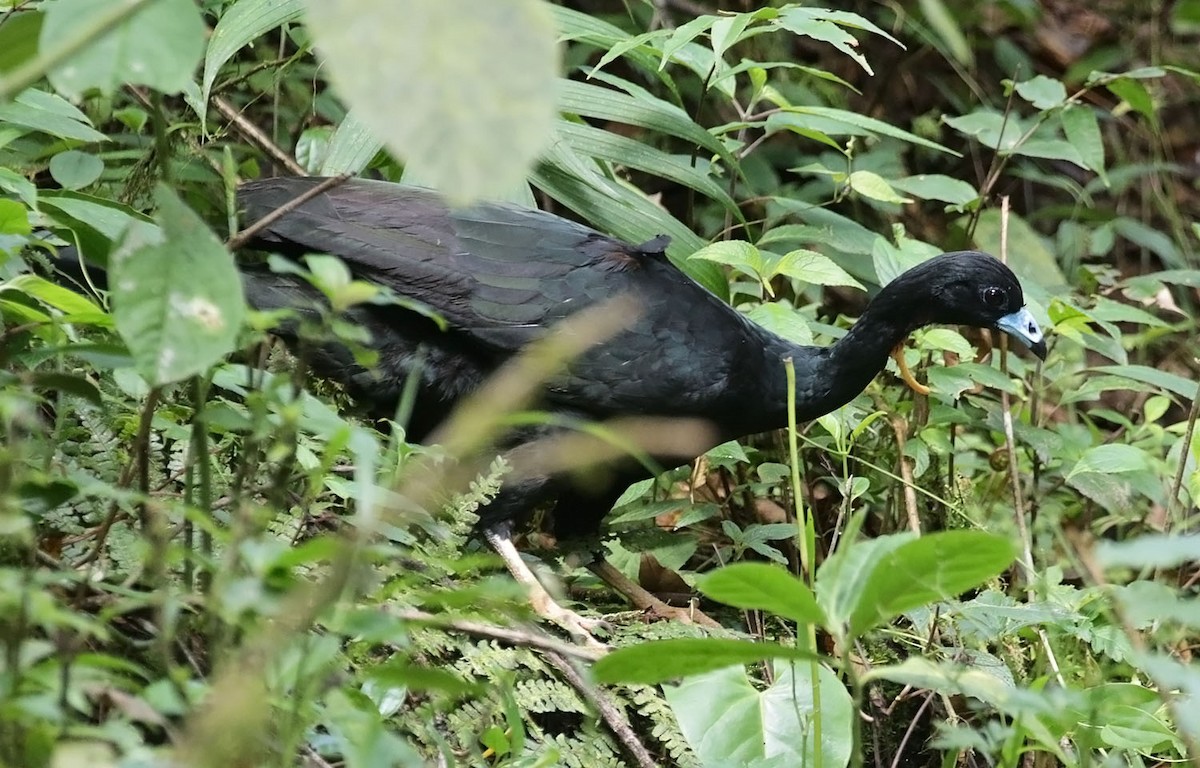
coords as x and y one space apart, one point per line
176 294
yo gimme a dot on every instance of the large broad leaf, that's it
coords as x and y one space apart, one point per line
868 583
49 113
158 45
468 87
176 294
243 22
657 661
759 586
727 721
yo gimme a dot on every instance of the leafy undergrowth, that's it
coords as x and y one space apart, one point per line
207 558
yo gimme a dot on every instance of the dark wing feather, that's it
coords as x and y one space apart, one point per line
498 273
502 276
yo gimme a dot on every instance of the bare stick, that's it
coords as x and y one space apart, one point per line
508 635
643 600
255 136
243 237
1185 451
1013 471
613 717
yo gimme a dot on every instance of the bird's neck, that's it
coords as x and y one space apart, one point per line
829 377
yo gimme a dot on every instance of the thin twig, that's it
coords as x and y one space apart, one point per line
255 136
243 237
1184 453
642 598
526 638
1013 470
912 726
613 717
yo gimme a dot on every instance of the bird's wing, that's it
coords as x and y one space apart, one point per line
499 274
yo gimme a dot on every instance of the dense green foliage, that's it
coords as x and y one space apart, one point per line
208 559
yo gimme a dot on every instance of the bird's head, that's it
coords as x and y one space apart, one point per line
972 288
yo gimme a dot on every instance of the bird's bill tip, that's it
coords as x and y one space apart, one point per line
1022 327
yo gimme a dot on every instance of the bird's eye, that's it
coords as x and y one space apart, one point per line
994 297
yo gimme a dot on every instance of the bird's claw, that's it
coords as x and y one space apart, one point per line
906 373
579 627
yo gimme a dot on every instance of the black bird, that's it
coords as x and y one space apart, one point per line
502 276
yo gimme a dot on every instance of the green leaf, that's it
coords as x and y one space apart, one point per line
738 254
814 268
948 340
945 677
1109 459
1028 254
1043 92
75 308
627 214
470 101
758 586
351 149
14 218
874 186
240 24
74 169
643 110
947 28
18 37
49 113
176 297
1172 674
684 34
621 150
1135 95
1153 240
826 25
158 46
1155 550
988 127
937 187
852 122
729 722
782 320
1083 131
898 573
1170 382
656 661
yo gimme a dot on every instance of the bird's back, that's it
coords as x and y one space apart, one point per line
502 276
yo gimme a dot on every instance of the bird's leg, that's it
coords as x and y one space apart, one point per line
642 599
905 373
499 537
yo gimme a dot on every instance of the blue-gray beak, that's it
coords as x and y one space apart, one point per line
1022 327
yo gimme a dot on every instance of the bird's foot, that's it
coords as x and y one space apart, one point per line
578 627
906 373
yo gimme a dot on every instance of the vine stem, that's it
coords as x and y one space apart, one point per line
1013 472
1184 452
808 553
116 12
